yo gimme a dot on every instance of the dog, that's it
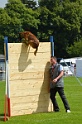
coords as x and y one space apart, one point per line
29 39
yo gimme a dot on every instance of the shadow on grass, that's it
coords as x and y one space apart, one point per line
1 117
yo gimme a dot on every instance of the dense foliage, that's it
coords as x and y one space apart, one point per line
60 18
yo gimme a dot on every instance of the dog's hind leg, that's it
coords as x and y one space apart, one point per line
35 51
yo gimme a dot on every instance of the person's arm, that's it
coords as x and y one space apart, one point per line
58 77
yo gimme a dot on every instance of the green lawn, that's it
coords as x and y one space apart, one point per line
73 92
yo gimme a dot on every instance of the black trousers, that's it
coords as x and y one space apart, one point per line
53 92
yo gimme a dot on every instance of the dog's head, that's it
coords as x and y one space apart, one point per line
24 35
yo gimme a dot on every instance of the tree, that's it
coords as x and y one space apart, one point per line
30 3
64 22
4 23
76 49
44 26
68 27
49 4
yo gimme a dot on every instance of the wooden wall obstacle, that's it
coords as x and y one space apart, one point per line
28 78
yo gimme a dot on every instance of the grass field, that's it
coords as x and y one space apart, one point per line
73 92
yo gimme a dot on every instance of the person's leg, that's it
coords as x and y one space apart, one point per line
63 97
53 99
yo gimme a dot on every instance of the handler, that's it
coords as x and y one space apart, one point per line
57 85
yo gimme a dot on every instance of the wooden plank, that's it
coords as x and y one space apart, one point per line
27 75
31 105
25 58
32 61
30 83
28 69
22 47
26 92
30 98
30 111
28 65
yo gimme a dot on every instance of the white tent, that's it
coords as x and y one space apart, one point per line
79 67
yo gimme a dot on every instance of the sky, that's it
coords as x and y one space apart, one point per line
3 2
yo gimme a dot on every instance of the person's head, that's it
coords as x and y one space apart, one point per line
53 60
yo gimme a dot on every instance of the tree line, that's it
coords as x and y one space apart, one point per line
60 18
